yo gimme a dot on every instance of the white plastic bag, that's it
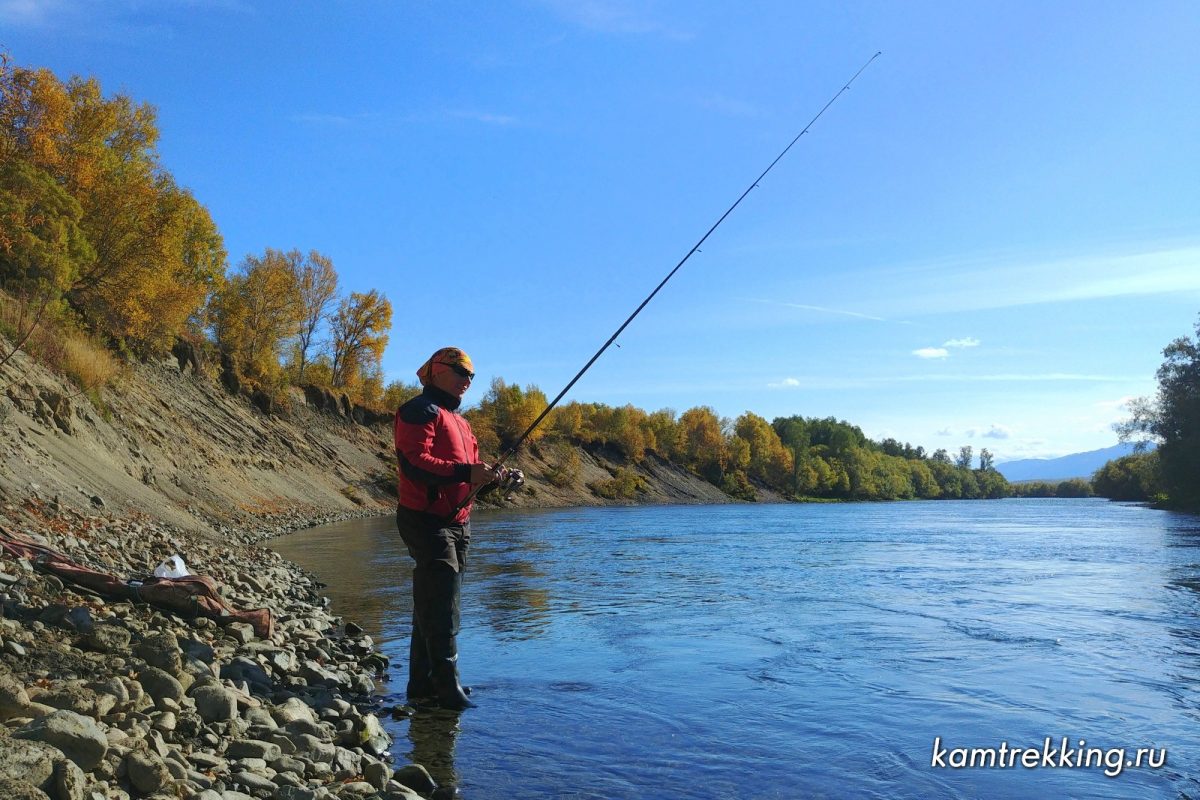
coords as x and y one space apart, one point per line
172 567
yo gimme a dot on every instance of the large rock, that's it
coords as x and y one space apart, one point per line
32 762
248 670
20 790
14 700
79 699
161 650
293 709
373 738
69 781
107 639
249 748
160 684
215 703
80 738
146 772
415 777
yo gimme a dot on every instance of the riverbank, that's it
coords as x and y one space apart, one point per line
114 699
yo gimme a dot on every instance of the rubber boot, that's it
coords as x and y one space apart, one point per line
440 624
420 682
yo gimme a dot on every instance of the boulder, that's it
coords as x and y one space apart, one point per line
79 738
160 684
14 700
146 771
293 709
32 762
161 650
69 782
79 699
215 703
20 790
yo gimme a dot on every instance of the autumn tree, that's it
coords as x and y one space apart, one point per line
665 429
510 410
702 442
154 252
397 393
256 310
769 460
359 332
318 282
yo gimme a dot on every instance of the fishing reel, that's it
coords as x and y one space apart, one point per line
510 481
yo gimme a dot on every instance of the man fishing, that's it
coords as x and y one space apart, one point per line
439 467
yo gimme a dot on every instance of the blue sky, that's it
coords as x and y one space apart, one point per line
988 240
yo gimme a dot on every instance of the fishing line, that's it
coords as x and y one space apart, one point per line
512 449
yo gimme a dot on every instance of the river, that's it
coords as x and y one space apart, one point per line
792 651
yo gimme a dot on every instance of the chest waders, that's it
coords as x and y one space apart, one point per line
439 550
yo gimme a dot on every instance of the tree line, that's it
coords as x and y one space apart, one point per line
99 242
795 456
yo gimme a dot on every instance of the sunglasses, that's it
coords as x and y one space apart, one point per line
461 372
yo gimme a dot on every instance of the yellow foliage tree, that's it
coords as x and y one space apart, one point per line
256 310
360 333
511 410
155 253
702 442
769 461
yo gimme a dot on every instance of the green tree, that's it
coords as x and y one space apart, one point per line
965 456
1131 477
1173 419
42 247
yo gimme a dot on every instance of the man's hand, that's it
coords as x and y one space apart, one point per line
483 474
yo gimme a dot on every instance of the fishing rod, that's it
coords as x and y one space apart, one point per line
512 449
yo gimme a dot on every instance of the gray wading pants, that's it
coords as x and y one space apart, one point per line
439 550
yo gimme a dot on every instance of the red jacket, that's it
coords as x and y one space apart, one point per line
436 448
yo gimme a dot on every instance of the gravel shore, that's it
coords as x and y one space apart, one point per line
109 699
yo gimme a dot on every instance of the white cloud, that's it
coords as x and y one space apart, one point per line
823 310
969 341
931 352
997 432
786 383
945 432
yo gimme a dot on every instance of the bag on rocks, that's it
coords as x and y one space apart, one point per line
194 595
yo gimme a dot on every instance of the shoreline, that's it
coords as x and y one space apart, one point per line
108 699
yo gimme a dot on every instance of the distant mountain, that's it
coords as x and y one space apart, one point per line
1076 465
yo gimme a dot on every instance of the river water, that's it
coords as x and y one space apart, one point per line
792 651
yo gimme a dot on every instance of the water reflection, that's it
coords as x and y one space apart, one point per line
432 734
